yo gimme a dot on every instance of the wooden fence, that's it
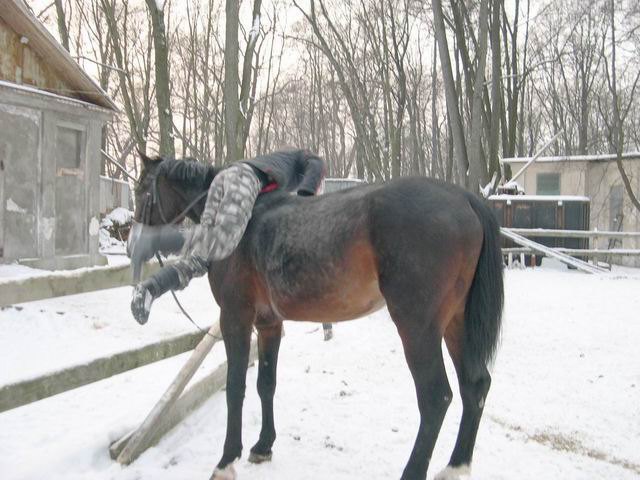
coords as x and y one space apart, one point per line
174 405
594 255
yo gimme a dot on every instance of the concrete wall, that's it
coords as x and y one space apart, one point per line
114 193
601 182
50 183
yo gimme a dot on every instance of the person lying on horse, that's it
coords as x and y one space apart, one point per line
228 208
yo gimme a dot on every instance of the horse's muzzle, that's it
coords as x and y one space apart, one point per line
145 241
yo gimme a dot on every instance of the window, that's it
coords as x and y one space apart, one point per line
548 184
69 148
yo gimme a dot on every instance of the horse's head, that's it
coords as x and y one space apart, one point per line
167 191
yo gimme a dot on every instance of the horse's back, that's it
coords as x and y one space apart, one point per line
321 258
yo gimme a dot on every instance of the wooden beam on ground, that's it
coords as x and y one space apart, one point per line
189 401
67 282
21 393
550 252
142 438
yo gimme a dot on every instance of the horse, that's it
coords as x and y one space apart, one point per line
426 249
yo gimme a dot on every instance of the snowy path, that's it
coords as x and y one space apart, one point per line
564 404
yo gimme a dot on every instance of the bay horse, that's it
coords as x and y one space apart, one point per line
428 250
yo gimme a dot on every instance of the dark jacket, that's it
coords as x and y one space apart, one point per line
292 170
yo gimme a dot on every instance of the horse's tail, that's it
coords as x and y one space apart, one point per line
483 310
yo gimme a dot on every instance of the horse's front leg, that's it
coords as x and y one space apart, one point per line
235 325
269 334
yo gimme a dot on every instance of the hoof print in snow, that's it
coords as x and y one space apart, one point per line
328 443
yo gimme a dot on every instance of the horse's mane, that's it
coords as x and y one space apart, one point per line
188 172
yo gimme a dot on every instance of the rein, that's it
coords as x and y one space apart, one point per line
155 199
182 309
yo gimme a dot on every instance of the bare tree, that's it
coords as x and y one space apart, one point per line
63 28
163 95
620 112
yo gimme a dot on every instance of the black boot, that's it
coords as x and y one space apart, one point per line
146 292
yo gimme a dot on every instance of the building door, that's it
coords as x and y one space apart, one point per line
616 213
19 137
71 218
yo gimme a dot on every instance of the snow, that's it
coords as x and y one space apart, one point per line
160 5
119 217
16 271
255 29
564 402
62 98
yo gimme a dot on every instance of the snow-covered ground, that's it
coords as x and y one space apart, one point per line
564 403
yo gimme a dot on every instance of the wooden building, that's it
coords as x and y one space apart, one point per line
593 176
51 119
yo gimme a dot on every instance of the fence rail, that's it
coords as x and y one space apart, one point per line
543 232
529 247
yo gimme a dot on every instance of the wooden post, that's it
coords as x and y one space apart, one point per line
189 401
145 433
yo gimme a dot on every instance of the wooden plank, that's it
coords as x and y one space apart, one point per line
69 282
141 439
578 252
189 401
21 393
543 232
539 248
4 159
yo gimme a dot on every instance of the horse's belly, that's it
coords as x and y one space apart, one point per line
338 290
335 305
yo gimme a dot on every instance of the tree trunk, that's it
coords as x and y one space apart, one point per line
62 25
231 79
459 144
163 92
477 164
496 90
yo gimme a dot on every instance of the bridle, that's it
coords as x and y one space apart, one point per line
152 198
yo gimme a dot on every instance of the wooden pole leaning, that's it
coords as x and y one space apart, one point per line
141 438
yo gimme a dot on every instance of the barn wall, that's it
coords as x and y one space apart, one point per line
50 149
21 65
605 183
601 182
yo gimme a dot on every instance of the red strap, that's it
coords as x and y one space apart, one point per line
269 188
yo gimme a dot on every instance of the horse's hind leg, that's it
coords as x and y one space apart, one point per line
422 344
474 382
269 335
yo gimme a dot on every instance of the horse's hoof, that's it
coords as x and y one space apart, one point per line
463 472
226 473
260 457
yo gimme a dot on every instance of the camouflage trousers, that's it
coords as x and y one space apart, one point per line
224 220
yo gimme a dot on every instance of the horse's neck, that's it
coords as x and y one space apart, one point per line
187 197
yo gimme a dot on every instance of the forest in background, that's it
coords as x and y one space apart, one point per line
379 88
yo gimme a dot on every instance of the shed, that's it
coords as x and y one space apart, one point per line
595 177
51 119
